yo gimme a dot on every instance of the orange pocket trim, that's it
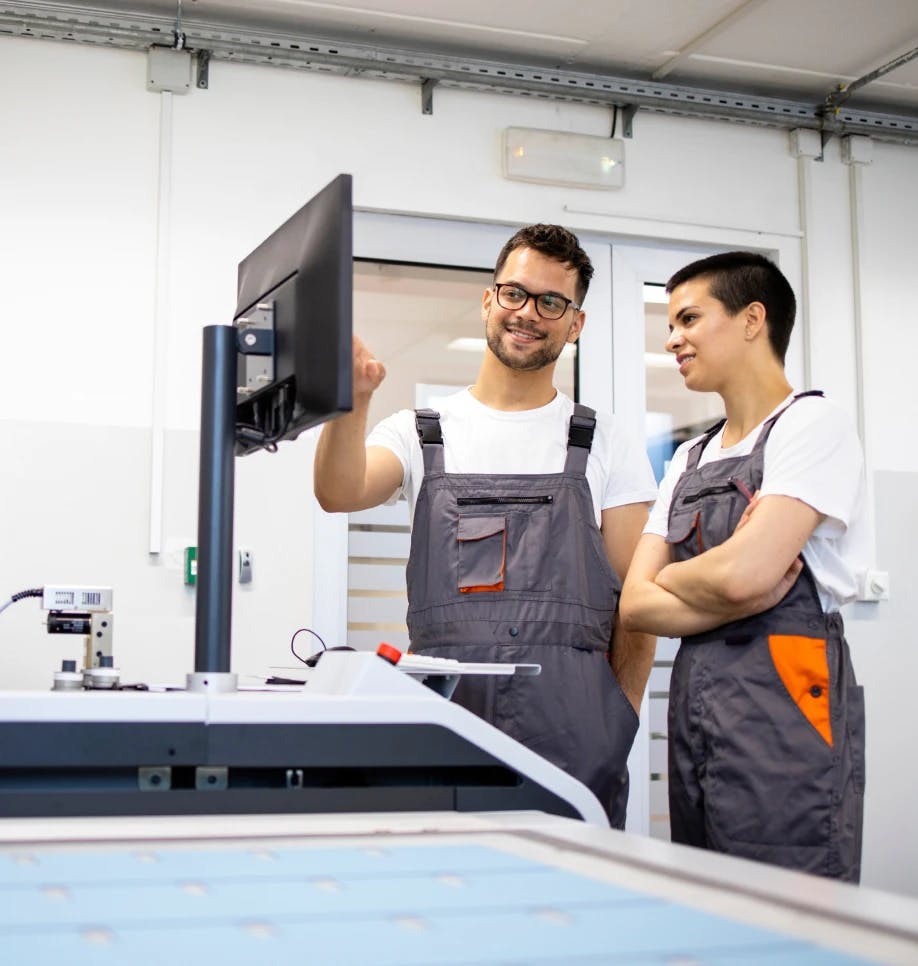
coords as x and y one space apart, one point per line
802 665
499 585
482 588
697 525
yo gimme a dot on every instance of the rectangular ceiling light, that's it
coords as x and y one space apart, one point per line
558 157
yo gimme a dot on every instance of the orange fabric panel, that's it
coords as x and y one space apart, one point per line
482 588
801 663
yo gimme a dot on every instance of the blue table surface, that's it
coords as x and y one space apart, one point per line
392 904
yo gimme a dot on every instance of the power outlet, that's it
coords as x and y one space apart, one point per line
874 586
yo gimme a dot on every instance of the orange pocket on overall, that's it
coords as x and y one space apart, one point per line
802 665
482 553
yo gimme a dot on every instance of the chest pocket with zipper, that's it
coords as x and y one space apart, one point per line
503 543
705 515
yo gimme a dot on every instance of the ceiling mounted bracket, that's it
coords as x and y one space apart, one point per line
203 59
628 112
427 86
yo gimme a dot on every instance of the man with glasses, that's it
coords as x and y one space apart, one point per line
526 509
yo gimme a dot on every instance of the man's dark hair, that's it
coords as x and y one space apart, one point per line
738 278
555 242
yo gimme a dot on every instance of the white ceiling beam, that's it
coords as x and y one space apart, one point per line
740 13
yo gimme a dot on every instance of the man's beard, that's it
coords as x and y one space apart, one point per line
546 354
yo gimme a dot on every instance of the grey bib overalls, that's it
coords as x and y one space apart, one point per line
766 720
514 569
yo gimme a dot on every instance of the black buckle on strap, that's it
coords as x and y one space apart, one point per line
428 425
581 431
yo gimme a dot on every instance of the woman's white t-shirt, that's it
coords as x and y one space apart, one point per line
813 455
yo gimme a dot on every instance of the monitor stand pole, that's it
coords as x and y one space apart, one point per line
214 581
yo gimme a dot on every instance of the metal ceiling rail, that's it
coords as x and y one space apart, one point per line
216 41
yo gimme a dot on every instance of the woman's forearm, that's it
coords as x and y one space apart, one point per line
649 608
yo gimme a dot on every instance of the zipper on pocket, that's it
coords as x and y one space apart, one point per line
727 487
501 500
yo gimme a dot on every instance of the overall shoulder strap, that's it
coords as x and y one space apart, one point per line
580 438
695 452
427 422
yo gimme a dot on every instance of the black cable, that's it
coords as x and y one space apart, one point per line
614 119
31 592
308 630
251 434
247 434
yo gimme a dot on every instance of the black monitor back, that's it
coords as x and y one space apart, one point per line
304 273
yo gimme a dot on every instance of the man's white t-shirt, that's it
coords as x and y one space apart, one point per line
813 455
478 439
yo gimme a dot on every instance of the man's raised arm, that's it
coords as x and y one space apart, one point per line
347 475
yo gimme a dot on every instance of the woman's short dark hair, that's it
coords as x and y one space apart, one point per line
555 242
739 278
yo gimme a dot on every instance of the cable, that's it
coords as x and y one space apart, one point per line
31 592
248 434
252 435
308 630
178 33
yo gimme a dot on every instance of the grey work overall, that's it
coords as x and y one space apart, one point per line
513 569
766 719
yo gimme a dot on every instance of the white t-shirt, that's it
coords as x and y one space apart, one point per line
812 454
478 439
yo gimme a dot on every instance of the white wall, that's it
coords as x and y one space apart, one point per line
81 268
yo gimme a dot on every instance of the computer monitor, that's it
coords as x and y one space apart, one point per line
294 323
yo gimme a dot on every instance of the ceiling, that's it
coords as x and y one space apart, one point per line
800 50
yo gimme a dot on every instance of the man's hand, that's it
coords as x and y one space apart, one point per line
347 476
369 372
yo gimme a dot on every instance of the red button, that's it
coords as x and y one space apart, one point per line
389 653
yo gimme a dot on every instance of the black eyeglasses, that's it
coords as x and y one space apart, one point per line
548 304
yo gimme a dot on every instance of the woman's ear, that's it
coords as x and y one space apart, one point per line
755 319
